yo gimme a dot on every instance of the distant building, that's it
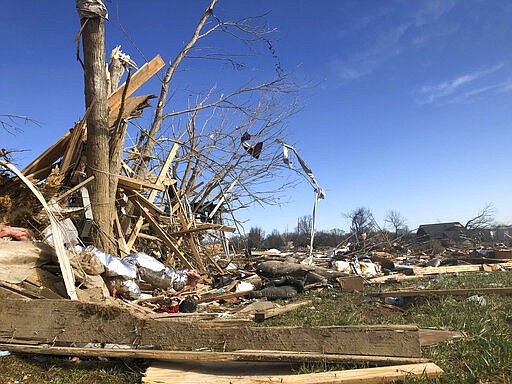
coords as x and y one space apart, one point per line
441 231
500 233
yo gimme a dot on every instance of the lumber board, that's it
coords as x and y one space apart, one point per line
70 321
133 107
135 196
187 224
137 80
244 355
65 267
450 269
245 373
444 292
48 157
430 337
273 312
74 189
351 283
138 185
19 290
121 241
76 135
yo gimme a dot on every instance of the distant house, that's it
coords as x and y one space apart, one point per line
500 233
441 231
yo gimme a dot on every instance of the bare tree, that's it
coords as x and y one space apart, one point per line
255 237
228 150
11 122
274 240
483 219
361 221
396 220
95 89
304 225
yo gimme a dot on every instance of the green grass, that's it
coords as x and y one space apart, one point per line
484 355
60 370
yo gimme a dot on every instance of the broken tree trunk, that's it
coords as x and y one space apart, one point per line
98 164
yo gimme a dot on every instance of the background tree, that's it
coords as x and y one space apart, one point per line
274 240
361 221
303 231
255 237
396 220
484 219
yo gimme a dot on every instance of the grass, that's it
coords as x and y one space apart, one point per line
484 355
21 369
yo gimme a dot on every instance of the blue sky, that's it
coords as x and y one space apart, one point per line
409 108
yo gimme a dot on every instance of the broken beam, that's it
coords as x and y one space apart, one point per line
243 355
68 321
444 292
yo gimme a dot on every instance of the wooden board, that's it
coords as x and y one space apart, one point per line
451 269
245 373
351 283
138 185
140 77
444 292
430 337
72 321
244 355
269 313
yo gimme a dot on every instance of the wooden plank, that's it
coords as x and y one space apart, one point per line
200 227
187 224
451 269
351 283
138 185
137 80
444 292
133 107
135 196
68 321
268 313
19 290
47 158
76 135
430 337
74 189
121 242
162 355
248 373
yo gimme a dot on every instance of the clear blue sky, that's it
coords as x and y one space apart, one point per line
411 110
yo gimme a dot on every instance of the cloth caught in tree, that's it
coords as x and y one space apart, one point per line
89 9
286 159
253 150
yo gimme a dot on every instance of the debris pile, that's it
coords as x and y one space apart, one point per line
162 269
